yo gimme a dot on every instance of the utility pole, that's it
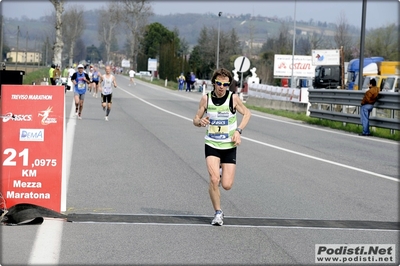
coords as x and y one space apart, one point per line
219 19
1 36
26 51
16 56
293 85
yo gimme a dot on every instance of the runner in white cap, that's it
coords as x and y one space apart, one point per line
80 81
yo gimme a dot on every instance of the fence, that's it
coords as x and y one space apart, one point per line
344 106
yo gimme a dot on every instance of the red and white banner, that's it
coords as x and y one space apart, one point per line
32 132
301 65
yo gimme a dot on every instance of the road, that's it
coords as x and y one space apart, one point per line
138 190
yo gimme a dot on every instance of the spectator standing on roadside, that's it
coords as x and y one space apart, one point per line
192 80
57 75
181 82
51 74
65 72
71 71
367 104
233 86
188 85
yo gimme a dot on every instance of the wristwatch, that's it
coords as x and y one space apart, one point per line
239 130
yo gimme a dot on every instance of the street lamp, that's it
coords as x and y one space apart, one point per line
219 15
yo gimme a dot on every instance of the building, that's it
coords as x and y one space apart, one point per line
32 57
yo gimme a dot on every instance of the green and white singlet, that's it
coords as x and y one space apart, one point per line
222 125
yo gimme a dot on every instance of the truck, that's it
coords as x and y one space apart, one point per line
387 77
370 67
327 77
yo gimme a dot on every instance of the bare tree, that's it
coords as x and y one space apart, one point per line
135 14
317 39
342 36
108 24
58 44
73 27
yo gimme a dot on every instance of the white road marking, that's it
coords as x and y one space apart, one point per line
47 244
275 147
46 248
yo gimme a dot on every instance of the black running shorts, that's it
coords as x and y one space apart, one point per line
225 156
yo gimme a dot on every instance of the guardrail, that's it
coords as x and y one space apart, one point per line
344 106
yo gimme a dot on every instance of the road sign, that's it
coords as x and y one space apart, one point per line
242 64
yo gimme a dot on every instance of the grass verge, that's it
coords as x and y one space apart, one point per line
36 76
348 127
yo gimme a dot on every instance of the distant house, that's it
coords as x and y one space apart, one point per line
23 56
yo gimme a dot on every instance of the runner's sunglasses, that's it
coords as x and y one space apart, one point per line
219 83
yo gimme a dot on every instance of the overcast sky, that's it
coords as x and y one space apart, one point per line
379 12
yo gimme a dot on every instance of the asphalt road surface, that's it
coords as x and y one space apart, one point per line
137 190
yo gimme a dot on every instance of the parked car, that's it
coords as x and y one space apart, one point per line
143 73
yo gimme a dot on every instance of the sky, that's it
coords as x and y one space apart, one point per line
379 12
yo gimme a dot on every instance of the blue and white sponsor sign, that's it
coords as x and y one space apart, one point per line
32 134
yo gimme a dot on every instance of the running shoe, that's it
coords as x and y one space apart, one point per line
106 118
218 218
79 116
76 114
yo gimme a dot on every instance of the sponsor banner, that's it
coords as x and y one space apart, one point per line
274 93
325 57
302 66
355 253
32 132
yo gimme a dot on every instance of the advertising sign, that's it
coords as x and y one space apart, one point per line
152 64
302 66
32 132
125 63
325 57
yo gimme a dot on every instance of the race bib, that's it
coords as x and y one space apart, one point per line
218 129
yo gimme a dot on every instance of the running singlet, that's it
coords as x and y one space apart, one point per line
95 76
222 125
107 85
80 86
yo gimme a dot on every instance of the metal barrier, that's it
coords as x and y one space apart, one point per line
338 103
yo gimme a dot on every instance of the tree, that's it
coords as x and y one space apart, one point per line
108 26
73 27
383 42
134 16
342 36
58 44
317 39
159 42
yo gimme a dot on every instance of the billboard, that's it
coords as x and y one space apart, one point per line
325 57
152 64
301 65
125 63
32 132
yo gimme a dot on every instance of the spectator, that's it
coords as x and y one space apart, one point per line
51 74
367 104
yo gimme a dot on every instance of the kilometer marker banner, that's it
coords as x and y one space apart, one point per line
32 132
